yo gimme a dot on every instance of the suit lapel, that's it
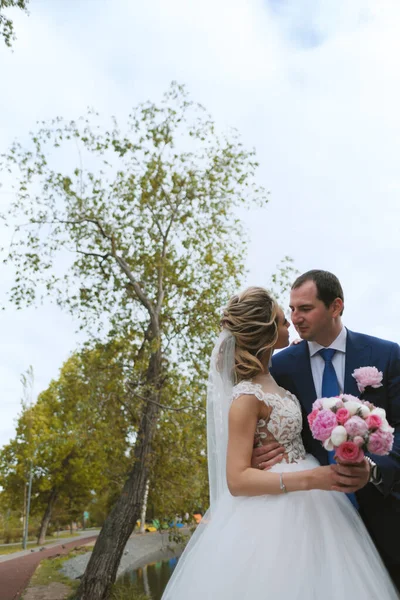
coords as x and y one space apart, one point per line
358 354
303 377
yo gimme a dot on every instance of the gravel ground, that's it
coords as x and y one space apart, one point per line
140 549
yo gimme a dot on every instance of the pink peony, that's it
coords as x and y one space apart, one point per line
368 376
312 416
349 452
359 441
317 404
342 415
373 422
380 442
356 426
323 425
350 397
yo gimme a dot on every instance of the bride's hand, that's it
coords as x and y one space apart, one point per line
353 476
326 478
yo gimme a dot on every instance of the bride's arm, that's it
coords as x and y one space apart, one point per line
242 479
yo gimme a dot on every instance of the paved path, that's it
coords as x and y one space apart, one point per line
57 542
65 535
15 572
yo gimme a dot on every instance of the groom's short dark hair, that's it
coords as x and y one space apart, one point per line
327 284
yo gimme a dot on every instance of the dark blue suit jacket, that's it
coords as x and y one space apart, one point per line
380 509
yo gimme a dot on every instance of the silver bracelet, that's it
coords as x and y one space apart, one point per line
281 484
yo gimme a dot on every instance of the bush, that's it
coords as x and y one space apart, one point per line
13 535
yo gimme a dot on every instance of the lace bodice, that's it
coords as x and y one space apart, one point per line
285 422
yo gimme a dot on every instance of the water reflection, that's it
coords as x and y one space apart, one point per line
153 578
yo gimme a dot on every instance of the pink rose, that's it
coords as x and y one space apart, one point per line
356 426
368 376
380 442
342 415
312 416
359 441
349 452
373 422
323 425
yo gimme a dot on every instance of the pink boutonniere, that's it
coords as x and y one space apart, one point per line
367 377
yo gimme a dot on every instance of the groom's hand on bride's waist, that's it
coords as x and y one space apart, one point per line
266 456
351 477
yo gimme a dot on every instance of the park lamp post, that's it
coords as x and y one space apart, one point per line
28 502
27 380
28 507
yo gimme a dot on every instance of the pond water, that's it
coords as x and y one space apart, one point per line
153 578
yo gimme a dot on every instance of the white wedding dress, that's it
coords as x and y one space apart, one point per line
308 545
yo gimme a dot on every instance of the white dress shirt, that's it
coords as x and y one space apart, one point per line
338 361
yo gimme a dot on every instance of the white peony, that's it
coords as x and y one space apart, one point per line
338 435
328 445
352 406
329 403
385 426
381 412
364 411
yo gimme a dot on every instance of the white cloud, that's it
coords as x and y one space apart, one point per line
313 85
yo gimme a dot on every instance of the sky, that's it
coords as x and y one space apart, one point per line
313 85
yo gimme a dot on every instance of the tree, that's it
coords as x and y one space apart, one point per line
152 249
6 24
73 437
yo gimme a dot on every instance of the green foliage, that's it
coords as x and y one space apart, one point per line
179 477
76 436
12 535
6 24
282 280
151 227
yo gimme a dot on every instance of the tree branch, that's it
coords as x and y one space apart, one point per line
160 274
138 290
102 256
167 407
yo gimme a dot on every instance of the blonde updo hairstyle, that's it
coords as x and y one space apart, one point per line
252 318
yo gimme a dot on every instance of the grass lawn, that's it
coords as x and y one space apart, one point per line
48 571
127 591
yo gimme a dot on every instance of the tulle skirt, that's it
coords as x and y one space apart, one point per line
296 546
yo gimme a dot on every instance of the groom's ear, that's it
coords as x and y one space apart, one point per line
337 307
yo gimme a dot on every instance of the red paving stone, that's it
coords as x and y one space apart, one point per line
16 573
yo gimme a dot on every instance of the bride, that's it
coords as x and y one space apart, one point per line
281 534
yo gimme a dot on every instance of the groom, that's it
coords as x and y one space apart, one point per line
308 371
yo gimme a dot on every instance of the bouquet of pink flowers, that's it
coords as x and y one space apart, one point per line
352 426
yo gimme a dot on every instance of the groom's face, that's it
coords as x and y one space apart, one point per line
310 316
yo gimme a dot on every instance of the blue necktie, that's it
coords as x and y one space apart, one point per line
330 388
